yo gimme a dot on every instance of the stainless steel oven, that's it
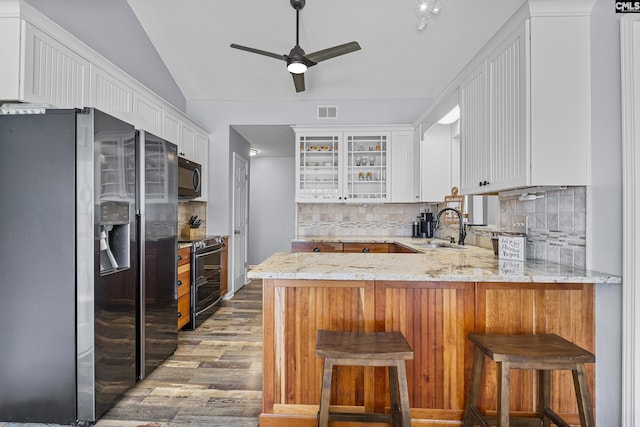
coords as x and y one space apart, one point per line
206 279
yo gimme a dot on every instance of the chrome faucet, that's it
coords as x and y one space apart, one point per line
463 233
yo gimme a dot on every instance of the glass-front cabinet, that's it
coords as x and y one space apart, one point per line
366 176
334 165
319 168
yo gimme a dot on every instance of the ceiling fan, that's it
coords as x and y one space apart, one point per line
297 61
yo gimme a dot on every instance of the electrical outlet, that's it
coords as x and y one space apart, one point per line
519 224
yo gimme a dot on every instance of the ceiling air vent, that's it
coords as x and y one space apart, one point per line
327 112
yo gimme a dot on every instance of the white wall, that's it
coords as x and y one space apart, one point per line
605 207
272 206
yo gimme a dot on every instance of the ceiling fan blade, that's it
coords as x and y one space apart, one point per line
332 52
298 81
259 52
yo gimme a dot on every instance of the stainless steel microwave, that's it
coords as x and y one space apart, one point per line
189 179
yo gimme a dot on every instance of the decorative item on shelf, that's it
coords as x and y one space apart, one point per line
361 176
453 201
369 176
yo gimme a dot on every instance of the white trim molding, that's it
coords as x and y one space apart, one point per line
630 91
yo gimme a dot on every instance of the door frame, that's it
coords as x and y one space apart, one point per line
244 233
630 94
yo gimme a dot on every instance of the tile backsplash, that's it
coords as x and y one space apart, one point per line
389 219
188 209
557 224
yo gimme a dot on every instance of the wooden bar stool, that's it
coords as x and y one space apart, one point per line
543 353
389 349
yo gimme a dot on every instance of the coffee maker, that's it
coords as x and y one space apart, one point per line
424 226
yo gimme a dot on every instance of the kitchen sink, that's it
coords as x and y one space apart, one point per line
439 245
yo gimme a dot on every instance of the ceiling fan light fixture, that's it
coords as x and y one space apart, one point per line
296 67
425 10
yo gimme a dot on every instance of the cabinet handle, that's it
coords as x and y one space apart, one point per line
365 250
179 282
316 249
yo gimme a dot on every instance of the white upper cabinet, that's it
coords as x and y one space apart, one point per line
473 129
439 153
187 144
149 113
110 95
354 164
493 120
403 167
44 64
525 102
53 74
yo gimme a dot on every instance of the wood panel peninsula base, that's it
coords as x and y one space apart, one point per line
304 292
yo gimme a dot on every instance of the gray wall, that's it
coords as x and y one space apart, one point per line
272 202
111 28
605 221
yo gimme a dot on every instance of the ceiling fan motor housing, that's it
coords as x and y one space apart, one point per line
297 4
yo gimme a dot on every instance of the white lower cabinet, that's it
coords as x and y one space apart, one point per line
352 164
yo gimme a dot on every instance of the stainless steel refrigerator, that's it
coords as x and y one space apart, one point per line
158 213
72 253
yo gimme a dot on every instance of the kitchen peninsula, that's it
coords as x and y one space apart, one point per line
435 297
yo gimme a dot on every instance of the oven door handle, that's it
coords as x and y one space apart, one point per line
207 252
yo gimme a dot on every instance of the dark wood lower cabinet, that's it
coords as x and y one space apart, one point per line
436 318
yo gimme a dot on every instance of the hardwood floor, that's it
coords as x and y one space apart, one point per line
213 379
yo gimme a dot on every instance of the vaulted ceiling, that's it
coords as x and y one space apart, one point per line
397 61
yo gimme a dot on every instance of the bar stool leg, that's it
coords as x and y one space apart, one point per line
504 382
583 396
474 387
544 396
394 396
325 395
401 371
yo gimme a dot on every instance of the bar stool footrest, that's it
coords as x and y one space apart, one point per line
359 417
555 418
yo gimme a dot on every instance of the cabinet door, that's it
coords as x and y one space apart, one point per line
54 74
316 247
374 248
149 113
474 150
319 167
110 95
507 114
436 157
10 54
171 128
187 145
366 166
402 169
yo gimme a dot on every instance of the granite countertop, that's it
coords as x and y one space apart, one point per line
471 263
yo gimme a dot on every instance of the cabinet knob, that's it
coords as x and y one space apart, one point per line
179 314
179 258
365 250
179 282
316 249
